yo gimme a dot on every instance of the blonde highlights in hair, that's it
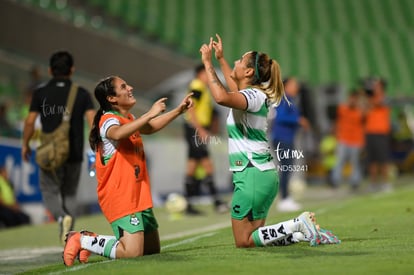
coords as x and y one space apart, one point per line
267 76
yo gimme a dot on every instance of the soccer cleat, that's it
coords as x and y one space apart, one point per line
308 228
84 254
191 211
327 237
299 237
72 247
65 227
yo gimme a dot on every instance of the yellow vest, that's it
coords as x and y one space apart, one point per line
6 192
203 106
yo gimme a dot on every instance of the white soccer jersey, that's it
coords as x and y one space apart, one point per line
247 133
109 145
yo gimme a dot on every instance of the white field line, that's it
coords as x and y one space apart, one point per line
185 241
78 267
32 253
189 240
194 231
27 253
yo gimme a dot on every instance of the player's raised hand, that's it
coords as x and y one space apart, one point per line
158 107
186 103
218 47
206 51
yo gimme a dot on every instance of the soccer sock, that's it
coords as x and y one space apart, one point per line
191 190
102 245
208 180
276 234
190 186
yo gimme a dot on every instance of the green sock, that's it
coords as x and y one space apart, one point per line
256 238
100 244
110 249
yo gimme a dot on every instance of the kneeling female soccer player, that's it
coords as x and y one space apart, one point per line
124 192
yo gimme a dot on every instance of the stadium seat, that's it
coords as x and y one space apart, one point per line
318 40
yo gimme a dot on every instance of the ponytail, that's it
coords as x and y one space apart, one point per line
94 135
275 90
267 76
103 89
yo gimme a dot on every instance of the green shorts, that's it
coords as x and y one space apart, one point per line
254 192
139 221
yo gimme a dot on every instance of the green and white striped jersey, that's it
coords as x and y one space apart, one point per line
247 133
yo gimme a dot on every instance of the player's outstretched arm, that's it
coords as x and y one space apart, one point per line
159 122
117 132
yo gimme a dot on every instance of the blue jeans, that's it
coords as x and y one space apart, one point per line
346 153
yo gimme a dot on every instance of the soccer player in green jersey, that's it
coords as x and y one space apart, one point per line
254 84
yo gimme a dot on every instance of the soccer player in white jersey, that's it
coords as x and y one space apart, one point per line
254 84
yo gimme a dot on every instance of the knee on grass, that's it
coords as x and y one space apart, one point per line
244 243
124 251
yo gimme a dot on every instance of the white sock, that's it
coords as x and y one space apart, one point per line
102 245
276 234
288 240
299 237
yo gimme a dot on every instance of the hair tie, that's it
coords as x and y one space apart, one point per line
256 69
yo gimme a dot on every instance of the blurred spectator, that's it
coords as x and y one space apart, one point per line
34 82
327 149
350 139
59 187
307 138
402 143
10 212
198 126
285 124
378 130
6 128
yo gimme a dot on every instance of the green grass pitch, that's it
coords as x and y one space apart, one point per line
377 233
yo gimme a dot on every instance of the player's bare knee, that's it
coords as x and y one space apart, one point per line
243 244
135 253
130 252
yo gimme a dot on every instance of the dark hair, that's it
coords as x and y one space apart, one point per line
261 63
287 79
61 63
199 68
353 92
103 89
